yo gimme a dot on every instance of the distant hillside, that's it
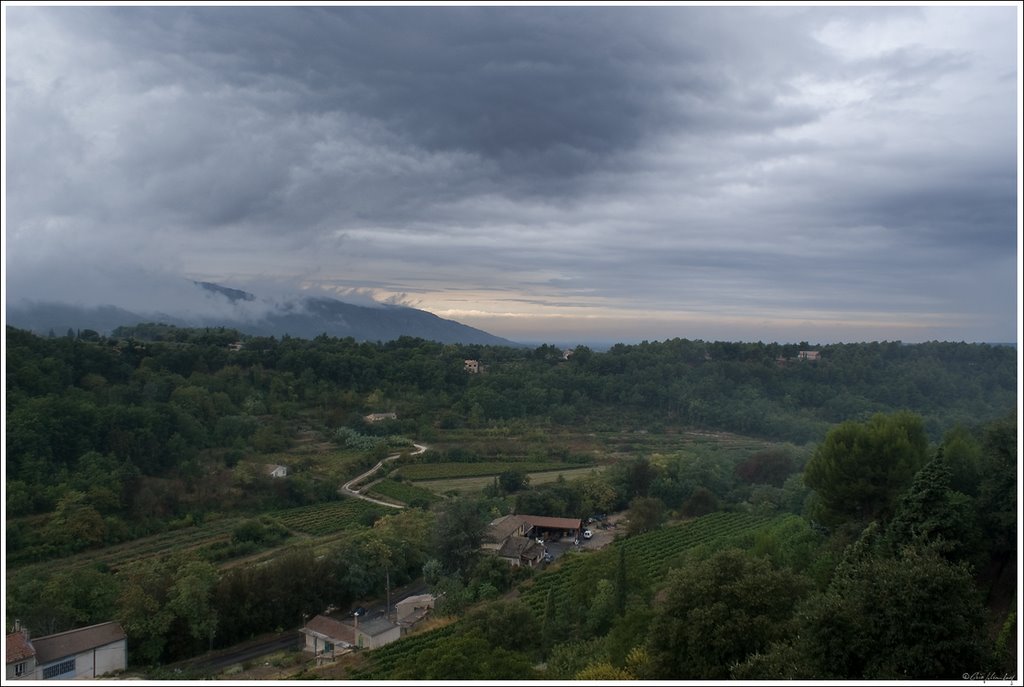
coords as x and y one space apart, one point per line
314 316
303 318
58 318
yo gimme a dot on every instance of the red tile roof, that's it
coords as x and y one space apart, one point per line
18 648
332 629
553 523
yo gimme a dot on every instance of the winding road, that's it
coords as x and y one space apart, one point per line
347 489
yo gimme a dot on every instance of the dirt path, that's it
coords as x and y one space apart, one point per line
348 490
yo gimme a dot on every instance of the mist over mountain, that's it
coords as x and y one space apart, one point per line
221 306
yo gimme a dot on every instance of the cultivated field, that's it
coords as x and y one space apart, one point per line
433 471
465 485
402 492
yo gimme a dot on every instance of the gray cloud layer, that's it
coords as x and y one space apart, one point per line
797 169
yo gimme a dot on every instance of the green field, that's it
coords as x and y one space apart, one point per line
402 492
429 471
465 485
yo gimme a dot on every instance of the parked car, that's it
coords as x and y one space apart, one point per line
360 611
587 534
548 558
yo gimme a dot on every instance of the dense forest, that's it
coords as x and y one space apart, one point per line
871 487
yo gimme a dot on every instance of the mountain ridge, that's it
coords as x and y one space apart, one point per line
302 317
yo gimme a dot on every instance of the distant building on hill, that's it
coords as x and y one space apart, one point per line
808 355
472 366
380 417
277 470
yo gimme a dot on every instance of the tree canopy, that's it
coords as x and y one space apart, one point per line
716 612
860 468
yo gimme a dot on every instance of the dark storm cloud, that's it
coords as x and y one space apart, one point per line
687 158
549 91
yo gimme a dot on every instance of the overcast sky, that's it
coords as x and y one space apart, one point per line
579 173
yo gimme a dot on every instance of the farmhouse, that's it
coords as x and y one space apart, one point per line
472 366
809 355
521 551
85 653
326 637
277 471
501 529
514 537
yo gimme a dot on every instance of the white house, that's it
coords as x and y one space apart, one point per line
377 632
413 609
411 604
20 657
277 470
85 653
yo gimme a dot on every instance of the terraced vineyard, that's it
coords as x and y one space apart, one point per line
317 520
327 518
647 558
185 539
389 657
